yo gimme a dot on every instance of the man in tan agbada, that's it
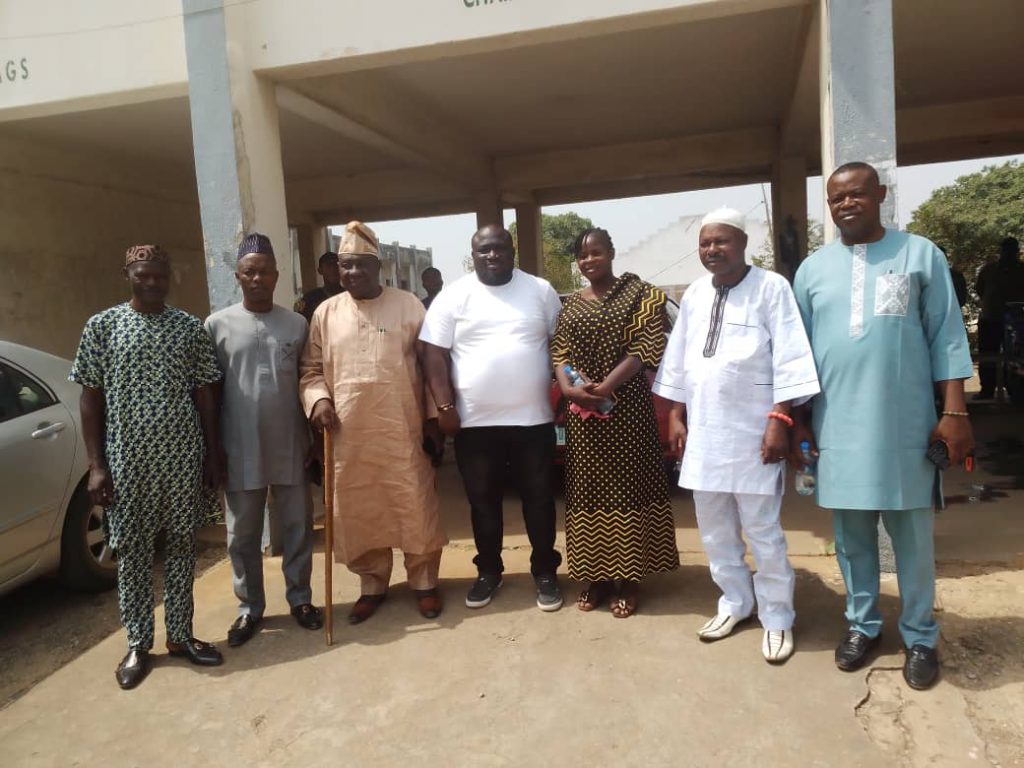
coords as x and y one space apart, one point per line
361 380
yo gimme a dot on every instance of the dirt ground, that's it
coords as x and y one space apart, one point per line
513 685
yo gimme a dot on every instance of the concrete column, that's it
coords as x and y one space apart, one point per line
858 101
789 214
308 256
489 210
237 147
531 239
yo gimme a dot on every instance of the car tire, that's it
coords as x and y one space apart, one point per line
86 562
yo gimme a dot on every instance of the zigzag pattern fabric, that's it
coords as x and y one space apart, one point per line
618 518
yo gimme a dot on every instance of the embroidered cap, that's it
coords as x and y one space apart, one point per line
146 253
256 243
725 215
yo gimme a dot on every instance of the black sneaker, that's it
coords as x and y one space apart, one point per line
483 590
549 596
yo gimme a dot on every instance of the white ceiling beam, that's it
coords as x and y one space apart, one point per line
981 119
753 148
389 116
297 104
648 186
371 188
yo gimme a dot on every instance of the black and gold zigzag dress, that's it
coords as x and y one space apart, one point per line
618 521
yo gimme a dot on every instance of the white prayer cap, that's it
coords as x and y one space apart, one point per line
725 215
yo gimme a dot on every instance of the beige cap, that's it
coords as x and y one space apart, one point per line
358 240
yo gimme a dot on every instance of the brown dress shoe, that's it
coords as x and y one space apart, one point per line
364 608
429 603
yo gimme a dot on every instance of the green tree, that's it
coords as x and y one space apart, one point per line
558 234
973 214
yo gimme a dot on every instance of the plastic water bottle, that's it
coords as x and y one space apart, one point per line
577 380
804 480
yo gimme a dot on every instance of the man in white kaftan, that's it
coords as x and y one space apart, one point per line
737 360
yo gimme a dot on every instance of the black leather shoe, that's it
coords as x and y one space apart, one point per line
853 651
198 652
308 616
133 669
242 630
921 667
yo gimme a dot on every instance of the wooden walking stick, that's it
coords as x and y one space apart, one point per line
328 537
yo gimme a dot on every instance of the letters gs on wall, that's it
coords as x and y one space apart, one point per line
13 69
481 3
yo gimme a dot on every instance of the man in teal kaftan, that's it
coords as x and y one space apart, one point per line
885 328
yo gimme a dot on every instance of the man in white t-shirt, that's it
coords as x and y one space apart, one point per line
485 353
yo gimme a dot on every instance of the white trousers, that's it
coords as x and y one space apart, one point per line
723 520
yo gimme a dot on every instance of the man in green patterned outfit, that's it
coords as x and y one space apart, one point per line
149 418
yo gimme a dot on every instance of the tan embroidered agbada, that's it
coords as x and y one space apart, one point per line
361 354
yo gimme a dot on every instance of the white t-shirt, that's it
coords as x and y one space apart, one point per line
498 336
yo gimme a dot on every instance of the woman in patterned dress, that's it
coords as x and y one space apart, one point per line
618 521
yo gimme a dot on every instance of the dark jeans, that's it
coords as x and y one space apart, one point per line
483 455
990 340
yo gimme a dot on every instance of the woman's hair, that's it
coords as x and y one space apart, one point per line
577 245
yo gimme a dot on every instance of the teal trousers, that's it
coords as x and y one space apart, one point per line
912 534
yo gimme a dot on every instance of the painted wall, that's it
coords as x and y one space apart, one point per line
67 218
67 54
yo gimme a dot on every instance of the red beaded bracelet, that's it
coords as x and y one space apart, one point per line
781 417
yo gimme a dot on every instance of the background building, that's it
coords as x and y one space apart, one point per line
191 122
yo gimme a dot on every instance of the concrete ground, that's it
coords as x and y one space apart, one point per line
509 685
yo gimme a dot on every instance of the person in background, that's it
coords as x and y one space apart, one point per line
737 362
618 519
327 268
149 421
959 281
265 439
885 328
432 284
998 283
361 380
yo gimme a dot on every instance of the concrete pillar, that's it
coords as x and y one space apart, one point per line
858 111
858 94
489 210
313 241
237 147
789 214
530 234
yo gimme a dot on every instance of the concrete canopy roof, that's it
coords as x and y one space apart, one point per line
669 101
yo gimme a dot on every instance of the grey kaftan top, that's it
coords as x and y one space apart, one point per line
263 428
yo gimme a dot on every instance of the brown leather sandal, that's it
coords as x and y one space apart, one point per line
429 603
592 597
624 604
364 608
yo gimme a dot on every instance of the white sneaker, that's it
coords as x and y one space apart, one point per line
720 626
777 645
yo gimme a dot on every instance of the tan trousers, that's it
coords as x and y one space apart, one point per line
374 570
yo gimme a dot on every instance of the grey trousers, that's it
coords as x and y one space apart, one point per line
292 507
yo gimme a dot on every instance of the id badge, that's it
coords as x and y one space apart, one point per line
892 294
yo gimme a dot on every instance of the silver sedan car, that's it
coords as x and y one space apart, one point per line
47 522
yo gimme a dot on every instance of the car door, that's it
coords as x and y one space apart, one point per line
37 448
